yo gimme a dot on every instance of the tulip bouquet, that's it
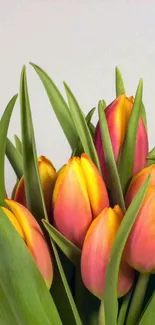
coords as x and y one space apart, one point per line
77 244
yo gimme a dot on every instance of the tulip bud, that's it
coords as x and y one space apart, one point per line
137 182
117 115
96 253
79 196
140 246
30 231
47 176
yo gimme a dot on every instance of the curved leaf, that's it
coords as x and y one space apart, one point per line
59 106
114 181
110 291
14 158
18 144
68 248
4 124
82 127
120 89
126 160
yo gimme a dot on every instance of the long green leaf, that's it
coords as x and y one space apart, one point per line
79 148
110 291
151 157
124 308
34 194
24 296
69 249
137 300
120 89
59 106
18 144
36 200
14 158
126 160
4 124
82 127
114 181
149 313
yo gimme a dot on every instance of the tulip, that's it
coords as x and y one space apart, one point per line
79 196
137 182
31 233
47 176
96 253
140 246
117 115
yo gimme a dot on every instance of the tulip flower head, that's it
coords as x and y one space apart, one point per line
79 196
137 182
31 233
118 114
96 253
47 177
140 246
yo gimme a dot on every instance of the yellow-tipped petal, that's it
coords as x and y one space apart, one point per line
14 221
72 213
96 188
34 239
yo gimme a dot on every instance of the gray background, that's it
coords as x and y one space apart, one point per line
80 42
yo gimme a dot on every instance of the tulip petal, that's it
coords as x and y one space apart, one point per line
137 182
141 242
96 188
34 239
14 221
142 148
96 254
72 211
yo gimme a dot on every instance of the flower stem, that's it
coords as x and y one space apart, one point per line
137 300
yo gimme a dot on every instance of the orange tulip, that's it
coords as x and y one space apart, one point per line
137 182
30 231
47 176
96 253
117 115
140 246
79 196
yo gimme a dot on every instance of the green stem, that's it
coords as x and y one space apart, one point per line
137 300
124 308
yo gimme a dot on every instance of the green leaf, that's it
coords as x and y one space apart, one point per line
149 313
151 154
79 148
110 291
14 158
34 195
68 248
124 308
24 296
18 144
59 106
82 127
114 181
137 300
126 161
37 205
120 89
4 124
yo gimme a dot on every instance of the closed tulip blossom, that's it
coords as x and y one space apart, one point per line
140 246
96 254
138 180
79 196
47 177
118 114
31 233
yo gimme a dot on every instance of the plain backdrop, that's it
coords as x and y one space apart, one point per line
80 42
